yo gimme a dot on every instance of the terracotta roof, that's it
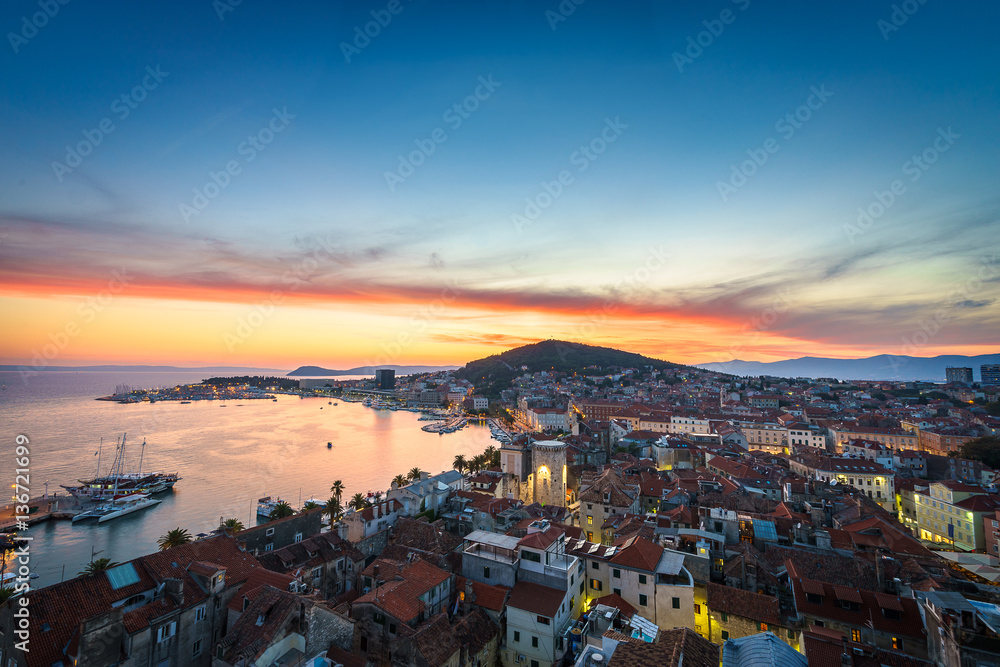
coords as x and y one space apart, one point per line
673 646
824 650
536 598
735 601
400 598
541 539
65 605
616 601
638 553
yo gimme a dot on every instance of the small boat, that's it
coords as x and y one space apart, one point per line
266 505
131 503
329 445
185 402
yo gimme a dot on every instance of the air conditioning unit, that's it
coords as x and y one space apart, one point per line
520 658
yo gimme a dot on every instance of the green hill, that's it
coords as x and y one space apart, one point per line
496 372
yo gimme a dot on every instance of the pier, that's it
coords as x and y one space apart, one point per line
44 508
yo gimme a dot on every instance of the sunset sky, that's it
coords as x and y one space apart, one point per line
365 219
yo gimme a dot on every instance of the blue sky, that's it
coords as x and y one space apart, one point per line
655 185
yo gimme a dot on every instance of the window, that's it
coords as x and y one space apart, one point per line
582 586
534 642
364 644
674 602
268 547
594 565
590 521
617 591
165 632
486 572
199 614
542 619
379 618
724 616
642 578
298 537
534 663
855 635
532 556
697 609
517 636
392 628
812 598
897 643
196 649
762 627
791 634
269 532
616 573
595 584
725 635
643 599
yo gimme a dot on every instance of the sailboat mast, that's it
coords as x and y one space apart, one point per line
118 468
99 448
141 454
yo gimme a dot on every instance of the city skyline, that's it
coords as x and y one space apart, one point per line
245 186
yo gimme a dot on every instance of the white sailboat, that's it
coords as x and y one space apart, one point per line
120 505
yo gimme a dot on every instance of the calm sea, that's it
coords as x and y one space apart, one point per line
227 456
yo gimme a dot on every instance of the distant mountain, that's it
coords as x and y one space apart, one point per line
145 369
319 371
881 367
494 373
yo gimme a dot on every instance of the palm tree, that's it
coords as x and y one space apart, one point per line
310 505
414 474
280 511
230 526
174 538
333 510
96 566
478 462
399 481
377 498
338 489
357 501
460 464
492 455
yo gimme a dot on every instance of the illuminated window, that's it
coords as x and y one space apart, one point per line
855 635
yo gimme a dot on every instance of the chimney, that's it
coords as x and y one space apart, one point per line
175 589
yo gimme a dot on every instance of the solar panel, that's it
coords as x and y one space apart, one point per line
123 575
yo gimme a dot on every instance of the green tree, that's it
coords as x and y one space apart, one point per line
414 474
280 511
338 489
399 481
310 505
358 502
98 565
459 463
985 449
230 526
333 510
174 538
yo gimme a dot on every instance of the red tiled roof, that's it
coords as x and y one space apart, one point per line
638 553
541 539
536 598
847 594
746 604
